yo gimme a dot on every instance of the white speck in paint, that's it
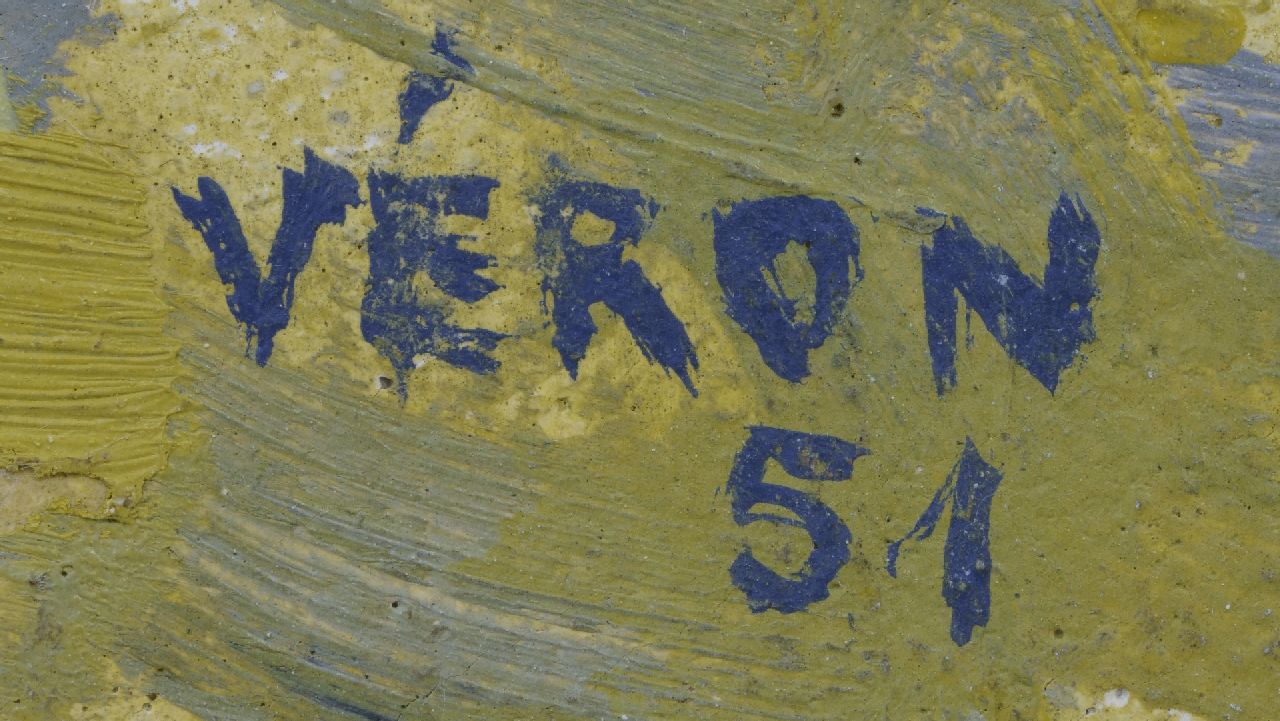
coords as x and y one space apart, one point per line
216 149
255 87
189 129
372 141
338 75
1151 373
331 151
1002 279
1177 715
1116 698
230 31
184 5
1227 607
1240 275
279 75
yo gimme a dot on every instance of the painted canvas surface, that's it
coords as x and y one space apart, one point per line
578 359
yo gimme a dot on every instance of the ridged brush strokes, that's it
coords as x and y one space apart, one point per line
86 370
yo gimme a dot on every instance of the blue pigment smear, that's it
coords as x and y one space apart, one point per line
1041 327
394 316
1225 107
317 196
747 242
423 91
578 276
966 564
347 708
808 457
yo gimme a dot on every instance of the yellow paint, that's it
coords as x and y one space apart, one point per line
1133 540
85 367
130 705
1198 31
1190 34
1182 31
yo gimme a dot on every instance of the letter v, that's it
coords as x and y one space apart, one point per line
318 195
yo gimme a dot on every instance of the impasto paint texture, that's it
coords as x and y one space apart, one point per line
426 359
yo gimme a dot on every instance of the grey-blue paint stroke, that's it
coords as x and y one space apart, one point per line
577 276
809 457
966 557
317 196
1226 107
422 91
749 239
405 241
1040 326
32 35
345 707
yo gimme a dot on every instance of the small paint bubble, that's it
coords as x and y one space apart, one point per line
1116 698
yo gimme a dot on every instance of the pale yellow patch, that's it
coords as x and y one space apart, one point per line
23 495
